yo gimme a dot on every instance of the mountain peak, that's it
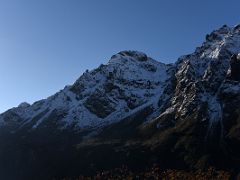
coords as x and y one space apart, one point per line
23 105
128 54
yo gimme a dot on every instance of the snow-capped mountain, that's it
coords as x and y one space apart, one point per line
129 82
135 110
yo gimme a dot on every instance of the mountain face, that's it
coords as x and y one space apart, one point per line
135 111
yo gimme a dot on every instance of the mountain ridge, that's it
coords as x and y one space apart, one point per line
98 82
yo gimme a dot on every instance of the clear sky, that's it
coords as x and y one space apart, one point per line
47 44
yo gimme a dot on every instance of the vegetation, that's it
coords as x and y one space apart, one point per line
157 173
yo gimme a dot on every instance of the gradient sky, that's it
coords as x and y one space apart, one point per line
47 44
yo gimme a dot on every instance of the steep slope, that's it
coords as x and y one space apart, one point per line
205 106
202 76
135 111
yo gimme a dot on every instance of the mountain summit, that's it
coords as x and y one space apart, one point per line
135 111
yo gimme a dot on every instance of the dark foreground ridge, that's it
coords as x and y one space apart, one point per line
133 111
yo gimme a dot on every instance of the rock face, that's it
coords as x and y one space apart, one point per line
234 71
135 111
204 103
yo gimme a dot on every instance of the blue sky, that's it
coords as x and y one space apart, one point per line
47 44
